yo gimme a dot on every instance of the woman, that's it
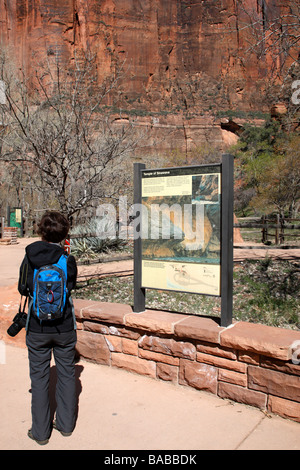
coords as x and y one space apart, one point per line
43 337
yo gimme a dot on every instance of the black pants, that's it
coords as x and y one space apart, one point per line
40 347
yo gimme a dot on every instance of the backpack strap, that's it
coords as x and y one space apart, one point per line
28 313
23 288
63 261
73 312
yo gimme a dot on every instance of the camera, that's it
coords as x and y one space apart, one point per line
19 322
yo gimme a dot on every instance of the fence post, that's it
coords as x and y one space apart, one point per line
281 235
264 231
277 235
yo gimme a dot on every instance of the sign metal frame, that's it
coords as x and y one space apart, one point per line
226 237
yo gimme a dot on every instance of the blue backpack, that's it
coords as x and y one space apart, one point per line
50 290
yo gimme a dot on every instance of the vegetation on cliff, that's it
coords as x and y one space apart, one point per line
267 166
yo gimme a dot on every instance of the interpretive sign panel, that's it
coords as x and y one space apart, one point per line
181 237
183 228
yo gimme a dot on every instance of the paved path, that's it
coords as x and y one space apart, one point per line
119 410
259 251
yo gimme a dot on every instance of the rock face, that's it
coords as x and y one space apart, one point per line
178 57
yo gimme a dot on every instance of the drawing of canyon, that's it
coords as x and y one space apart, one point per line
177 237
193 278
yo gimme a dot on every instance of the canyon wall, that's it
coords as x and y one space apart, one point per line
183 62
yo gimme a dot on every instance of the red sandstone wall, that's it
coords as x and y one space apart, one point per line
248 363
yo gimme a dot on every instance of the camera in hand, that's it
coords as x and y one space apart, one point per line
19 322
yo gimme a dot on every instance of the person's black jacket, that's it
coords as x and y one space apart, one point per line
39 254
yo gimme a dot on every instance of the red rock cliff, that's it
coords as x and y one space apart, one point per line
179 54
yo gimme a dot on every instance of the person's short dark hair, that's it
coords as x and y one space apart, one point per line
53 227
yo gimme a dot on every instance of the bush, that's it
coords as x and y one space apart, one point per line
96 237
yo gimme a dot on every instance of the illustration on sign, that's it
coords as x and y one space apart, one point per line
181 229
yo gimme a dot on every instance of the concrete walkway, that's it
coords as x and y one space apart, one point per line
118 410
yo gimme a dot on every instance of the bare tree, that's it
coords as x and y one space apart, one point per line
274 30
279 185
56 130
274 36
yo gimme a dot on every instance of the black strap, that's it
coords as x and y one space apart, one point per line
24 276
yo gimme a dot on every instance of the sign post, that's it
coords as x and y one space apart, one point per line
139 291
227 240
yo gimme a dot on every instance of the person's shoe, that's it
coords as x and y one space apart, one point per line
41 443
65 434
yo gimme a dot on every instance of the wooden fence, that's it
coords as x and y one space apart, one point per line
277 228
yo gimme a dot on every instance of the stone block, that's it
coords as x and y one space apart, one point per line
261 339
286 408
93 347
134 364
280 366
249 358
129 346
274 383
216 350
199 328
168 346
242 395
199 376
167 372
80 305
233 377
158 357
95 327
106 329
106 312
154 321
114 343
222 362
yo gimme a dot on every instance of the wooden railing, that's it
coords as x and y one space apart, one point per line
275 227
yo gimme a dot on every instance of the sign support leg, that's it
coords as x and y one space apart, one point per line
139 292
227 240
